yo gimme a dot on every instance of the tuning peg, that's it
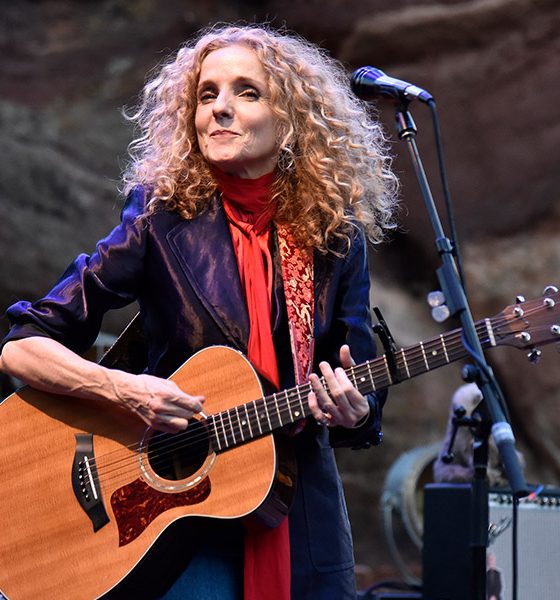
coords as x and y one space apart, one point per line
524 337
550 289
518 311
440 310
440 313
534 355
519 299
436 298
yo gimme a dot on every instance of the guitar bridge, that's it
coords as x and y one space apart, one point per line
85 482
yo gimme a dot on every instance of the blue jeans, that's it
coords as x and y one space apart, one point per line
215 572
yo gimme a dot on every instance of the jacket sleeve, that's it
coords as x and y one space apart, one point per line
352 325
72 312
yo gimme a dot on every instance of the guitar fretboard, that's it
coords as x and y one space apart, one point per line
263 416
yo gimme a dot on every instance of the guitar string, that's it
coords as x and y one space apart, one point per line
225 429
426 355
413 360
415 357
378 370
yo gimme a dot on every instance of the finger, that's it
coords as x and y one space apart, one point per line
168 408
191 403
338 386
312 400
351 404
351 394
356 406
170 424
346 359
324 400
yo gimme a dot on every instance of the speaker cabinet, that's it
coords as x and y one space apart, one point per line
538 544
446 555
446 563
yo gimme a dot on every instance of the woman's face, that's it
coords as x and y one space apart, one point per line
235 126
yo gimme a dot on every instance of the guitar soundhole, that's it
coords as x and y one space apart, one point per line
180 455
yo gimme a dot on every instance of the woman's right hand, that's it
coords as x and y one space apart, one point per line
49 366
160 403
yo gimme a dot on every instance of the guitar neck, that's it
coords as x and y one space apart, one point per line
263 416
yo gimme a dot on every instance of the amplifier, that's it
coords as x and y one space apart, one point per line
538 544
446 557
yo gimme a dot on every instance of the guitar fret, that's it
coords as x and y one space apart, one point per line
254 416
226 444
362 381
424 356
216 432
433 354
298 389
444 348
352 375
257 416
267 416
277 410
371 375
248 421
288 403
231 427
405 362
240 424
387 370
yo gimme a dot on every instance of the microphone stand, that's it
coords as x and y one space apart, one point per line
491 409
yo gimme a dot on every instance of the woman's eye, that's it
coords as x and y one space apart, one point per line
251 94
206 96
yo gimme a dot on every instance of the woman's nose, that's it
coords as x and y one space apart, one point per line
223 106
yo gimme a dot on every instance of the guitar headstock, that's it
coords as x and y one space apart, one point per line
529 323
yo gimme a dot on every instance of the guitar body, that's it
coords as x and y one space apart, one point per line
49 547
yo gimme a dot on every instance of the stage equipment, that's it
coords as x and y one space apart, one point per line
447 565
493 410
401 507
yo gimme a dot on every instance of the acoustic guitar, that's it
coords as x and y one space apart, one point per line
85 493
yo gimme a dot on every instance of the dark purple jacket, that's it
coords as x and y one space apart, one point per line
184 275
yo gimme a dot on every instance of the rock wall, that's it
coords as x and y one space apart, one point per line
69 67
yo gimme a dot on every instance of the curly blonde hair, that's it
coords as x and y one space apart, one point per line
333 167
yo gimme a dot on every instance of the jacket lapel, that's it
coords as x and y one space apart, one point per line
204 250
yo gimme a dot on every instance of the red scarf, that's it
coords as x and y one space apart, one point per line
248 207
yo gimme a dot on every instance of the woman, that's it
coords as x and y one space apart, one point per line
253 180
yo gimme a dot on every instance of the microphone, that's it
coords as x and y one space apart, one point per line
369 82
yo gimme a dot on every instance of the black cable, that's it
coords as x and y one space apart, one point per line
515 506
446 193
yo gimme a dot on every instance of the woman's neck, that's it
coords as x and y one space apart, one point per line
250 197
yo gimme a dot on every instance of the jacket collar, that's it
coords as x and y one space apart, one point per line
203 248
205 253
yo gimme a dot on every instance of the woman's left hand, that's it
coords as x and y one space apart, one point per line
338 403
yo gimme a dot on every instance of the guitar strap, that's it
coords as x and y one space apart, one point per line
297 275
